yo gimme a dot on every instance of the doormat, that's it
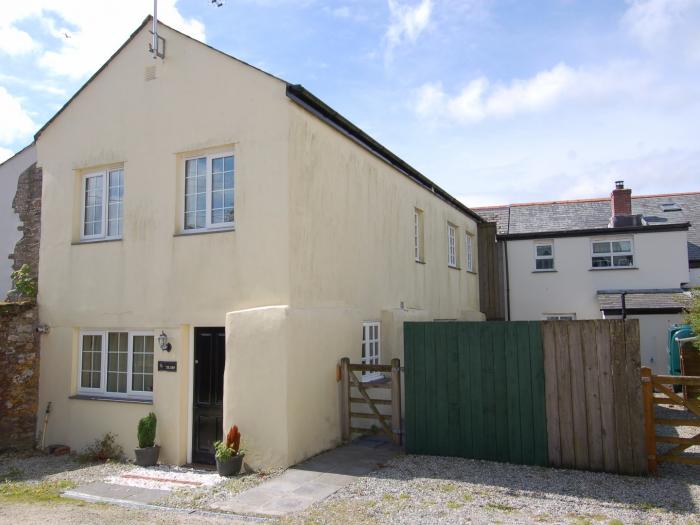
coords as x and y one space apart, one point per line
166 478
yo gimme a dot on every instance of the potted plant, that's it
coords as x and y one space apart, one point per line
229 455
148 451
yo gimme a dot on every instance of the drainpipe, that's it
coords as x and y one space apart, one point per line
623 296
505 256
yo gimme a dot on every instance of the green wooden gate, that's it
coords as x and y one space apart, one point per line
476 390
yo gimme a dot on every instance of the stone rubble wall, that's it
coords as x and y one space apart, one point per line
19 374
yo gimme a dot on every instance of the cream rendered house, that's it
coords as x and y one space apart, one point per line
213 241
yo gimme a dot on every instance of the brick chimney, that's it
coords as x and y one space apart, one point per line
621 199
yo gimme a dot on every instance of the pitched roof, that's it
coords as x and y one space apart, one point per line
584 214
320 109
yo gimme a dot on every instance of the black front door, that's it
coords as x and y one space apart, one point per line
208 402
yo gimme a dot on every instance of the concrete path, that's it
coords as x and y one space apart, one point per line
312 481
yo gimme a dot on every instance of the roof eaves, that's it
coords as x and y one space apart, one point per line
313 104
594 231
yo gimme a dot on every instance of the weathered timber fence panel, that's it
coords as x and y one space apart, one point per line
476 390
595 415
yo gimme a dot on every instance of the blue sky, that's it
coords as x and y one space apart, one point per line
496 101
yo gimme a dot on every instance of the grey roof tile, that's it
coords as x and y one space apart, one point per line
595 213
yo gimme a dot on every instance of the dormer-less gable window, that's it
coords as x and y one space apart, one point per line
102 201
209 192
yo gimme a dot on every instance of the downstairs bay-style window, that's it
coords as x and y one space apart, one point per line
209 191
102 200
618 253
116 364
371 343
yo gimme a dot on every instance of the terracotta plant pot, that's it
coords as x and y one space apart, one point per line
229 467
148 456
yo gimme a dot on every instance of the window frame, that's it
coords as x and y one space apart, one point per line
559 317
105 174
418 235
208 197
469 251
544 257
364 359
612 254
452 243
130 394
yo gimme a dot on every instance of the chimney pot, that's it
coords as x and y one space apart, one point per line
620 184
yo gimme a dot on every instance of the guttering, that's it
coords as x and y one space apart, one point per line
595 232
320 109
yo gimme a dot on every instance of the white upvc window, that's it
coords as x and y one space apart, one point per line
544 256
371 348
418 229
559 317
469 247
102 205
209 192
116 363
451 245
617 253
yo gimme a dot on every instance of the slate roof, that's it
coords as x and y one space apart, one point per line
595 213
645 301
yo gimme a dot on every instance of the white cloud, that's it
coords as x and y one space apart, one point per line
407 23
87 32
15 123
652 21
15 42
481 99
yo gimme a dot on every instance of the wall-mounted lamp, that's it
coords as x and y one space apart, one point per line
163 342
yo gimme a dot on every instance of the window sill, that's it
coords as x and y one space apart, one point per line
613 268
453 267
204 232
472 272
419 261
92 397
95 241
544 271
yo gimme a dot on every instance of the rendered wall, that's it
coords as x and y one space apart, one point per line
154 278
661 261
10 171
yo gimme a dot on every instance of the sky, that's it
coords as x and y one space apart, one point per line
497 101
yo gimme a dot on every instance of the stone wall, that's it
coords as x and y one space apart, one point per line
27 204
19 374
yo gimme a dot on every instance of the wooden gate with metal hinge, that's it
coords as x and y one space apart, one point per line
390 424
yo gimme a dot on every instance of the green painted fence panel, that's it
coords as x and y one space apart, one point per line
475 390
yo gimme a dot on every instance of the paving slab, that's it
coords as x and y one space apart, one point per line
312 481
99 490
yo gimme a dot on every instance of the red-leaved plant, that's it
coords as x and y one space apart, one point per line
233 439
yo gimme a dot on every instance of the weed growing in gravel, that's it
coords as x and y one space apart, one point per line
448 487
454 505
404 496
467 497
33 492
388 497
615 521
11 475
499 506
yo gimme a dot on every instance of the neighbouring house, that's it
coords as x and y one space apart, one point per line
20 223
214 239
631 256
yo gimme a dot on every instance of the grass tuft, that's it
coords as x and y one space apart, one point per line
34 492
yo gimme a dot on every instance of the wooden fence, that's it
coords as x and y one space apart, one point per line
475 390
594 399
390 424
559 393
658 390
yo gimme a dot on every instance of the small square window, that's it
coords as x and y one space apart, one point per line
544 256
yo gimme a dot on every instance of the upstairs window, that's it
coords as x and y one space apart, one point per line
544 256
470 252
209 192
451 246
418 252
102 212
116 364
612 254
